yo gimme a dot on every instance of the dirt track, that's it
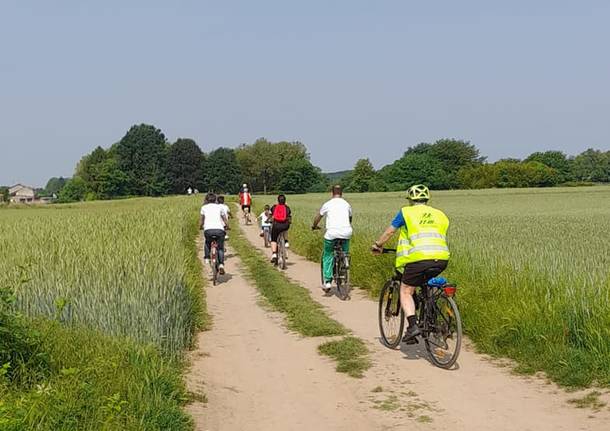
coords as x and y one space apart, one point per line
260 377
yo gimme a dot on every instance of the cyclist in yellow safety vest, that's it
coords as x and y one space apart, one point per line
422 250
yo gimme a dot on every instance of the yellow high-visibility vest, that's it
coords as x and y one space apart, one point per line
423 236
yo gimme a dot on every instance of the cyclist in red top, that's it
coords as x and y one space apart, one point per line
245 199
281 217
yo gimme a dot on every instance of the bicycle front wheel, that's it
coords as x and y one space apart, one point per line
391 316
444 330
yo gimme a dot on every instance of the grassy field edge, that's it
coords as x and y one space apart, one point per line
96 381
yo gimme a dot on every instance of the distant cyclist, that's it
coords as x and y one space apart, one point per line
338 226
245 199
265 220
213 221
281 217
422 248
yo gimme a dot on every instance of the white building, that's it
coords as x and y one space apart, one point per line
21 194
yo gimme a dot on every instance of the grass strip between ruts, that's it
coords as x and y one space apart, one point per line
303 314
350 353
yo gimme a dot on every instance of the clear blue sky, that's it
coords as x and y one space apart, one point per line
350 79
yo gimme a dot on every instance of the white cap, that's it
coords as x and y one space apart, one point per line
245 185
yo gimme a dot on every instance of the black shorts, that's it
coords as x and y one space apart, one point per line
277 228
243 207
417 273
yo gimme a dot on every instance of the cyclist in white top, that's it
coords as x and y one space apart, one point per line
338 226
213 221
221 201
265 218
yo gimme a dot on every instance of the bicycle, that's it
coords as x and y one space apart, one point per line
214 260
341 261
282 255
437 315
267 236
247 219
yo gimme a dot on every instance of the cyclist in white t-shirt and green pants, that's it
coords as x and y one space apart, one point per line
338 214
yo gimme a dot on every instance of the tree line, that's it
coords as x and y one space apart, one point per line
456 164
145 163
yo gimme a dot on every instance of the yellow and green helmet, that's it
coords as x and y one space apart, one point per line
418 192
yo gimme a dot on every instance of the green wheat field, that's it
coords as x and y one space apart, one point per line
532 266
122 267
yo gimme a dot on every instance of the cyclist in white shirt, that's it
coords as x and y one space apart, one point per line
265 218
338 226
221 201
213 221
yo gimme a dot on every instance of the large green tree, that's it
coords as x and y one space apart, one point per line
184 166
592 165
74 190
299 176
263 163
102 175
54 185
222 171
414 168
556 160
142 155
361 178
436 165
110 181
88 165
4 194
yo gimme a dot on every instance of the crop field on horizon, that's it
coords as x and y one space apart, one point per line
127 268
532 268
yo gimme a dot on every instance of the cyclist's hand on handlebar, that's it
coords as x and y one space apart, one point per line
315 228
376 250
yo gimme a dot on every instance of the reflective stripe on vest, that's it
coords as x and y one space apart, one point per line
422 248
427 235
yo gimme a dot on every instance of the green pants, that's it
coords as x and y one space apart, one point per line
327 257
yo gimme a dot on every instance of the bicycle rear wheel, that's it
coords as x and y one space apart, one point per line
214 264
281 251
342 277
391 316
267 237
444 332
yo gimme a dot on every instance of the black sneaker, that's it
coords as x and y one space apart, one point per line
411 334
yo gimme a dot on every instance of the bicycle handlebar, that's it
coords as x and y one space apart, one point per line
384 250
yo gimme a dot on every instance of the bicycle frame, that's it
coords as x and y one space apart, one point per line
338 256
214 260
213 250
424 298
